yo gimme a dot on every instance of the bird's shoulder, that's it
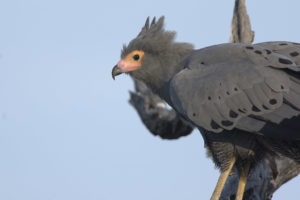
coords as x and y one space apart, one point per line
277 54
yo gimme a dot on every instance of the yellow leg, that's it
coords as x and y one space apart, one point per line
242 182
222 180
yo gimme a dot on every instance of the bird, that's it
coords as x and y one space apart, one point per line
243 98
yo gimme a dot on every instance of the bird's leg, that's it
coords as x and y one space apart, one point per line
242 181
222 180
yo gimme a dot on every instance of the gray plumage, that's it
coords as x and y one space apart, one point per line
245 99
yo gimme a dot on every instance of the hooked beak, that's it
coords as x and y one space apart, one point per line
116 71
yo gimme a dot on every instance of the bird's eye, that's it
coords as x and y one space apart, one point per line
136 57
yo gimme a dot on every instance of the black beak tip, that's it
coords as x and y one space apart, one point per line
116 71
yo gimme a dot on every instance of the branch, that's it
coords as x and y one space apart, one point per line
273 172
155 114
240 26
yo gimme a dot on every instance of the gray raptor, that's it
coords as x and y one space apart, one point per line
244 98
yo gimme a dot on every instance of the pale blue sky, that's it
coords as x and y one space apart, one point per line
66 128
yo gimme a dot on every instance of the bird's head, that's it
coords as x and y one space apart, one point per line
152 55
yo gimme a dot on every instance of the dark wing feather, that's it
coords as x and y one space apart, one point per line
255 88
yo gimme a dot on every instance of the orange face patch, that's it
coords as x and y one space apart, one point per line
132 61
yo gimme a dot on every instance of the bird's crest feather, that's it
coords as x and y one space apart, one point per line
152 38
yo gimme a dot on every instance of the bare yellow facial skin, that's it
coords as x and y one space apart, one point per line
132 61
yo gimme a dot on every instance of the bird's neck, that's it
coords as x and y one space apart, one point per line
170 67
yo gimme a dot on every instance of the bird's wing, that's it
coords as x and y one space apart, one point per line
255 88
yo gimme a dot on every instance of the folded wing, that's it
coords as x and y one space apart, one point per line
255 88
